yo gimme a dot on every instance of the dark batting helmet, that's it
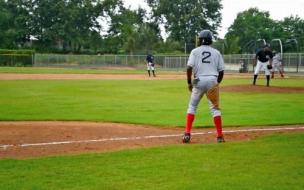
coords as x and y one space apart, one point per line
205 37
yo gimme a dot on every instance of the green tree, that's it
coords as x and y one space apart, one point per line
123 28
5 19
48 23
183 19
292 30
129 33
147 38
65 25
14 23
169 46
231 45
250 25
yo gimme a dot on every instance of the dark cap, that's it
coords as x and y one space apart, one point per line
205 34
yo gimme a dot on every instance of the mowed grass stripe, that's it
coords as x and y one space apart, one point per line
273 162
160 103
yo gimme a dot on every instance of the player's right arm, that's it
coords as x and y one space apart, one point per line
220 77
190 64
189 80
255 60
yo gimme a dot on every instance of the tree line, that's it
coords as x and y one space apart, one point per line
253 27
107 27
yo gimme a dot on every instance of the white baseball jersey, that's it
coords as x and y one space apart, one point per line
276 59
206 61
277 63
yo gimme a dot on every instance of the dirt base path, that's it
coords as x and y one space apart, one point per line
179 75
45 138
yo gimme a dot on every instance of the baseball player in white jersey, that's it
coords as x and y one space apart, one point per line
207 66
277 64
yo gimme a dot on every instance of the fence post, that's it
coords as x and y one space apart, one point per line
33 59
298 63
300 60
289 61
180 62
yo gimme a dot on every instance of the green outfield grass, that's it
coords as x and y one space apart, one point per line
161 103
273 162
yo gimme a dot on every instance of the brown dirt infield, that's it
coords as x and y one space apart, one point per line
26 139
167 76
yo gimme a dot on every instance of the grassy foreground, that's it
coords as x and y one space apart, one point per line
273 162
162 103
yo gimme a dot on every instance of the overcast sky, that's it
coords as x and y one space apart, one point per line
278 9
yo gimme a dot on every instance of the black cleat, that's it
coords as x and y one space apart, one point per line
186 138
220 139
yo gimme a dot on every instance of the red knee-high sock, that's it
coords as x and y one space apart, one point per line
218 124
190 119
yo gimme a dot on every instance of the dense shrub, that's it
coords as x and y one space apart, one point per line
16 57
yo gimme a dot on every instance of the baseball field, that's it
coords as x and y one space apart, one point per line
120 129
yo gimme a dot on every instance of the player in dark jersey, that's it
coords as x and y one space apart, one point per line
150 65
263 60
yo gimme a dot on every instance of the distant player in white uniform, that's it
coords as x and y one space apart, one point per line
277 64
207 66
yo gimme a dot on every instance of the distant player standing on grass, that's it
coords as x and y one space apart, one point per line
263 60
207 66
150 65
277 64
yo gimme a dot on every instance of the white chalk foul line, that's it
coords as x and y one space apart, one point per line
5 146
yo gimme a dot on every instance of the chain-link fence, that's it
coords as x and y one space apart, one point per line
16 57
293 62
88 61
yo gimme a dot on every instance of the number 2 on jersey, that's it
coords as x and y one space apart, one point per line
206 55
